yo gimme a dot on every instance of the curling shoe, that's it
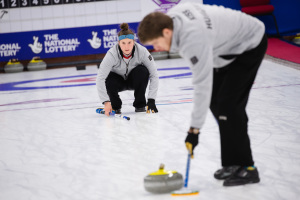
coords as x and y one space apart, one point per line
244 175
143 109
225 172
117 111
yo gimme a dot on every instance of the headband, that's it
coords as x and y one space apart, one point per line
129 36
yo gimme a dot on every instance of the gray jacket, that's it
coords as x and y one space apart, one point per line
203 34
113 62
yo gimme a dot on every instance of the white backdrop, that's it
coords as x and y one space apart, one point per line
75 15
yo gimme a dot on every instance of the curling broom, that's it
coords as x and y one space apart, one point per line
185 190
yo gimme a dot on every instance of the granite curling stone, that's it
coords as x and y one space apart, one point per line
163 181
36 64
159 55
13 65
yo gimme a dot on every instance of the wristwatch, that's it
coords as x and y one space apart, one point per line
194 130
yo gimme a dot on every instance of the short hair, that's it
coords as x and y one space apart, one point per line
152 25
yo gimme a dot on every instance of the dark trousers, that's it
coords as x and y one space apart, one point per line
137 80
231 88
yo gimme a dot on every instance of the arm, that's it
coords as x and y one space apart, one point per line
149 62
200 57
201 66
104 70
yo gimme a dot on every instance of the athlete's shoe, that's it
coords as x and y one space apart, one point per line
225 172
244 175
143 109
118 111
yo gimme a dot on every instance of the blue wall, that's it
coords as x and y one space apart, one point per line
287 13
59 42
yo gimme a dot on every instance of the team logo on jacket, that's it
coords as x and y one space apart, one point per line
194 60
150 57
189 14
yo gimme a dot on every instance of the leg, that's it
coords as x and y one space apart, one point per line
115 84
219 77
229 99
138 81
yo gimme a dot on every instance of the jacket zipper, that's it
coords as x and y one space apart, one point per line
127 64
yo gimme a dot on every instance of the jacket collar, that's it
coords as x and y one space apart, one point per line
175 37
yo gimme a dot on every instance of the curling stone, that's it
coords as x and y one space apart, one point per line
159 55
174 55
297 40
36 64
163 181
13 65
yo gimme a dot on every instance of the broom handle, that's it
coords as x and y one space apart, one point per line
187 171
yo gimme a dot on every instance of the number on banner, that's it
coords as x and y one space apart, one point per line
56 2
3 4
78 1
14 4
35 2
24 3
68 1
46 2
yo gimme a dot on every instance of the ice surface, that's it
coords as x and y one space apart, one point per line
53 144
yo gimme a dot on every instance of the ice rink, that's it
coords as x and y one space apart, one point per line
54 146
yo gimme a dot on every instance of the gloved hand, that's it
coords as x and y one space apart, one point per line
151 106
191 140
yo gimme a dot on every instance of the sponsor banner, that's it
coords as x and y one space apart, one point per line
60 42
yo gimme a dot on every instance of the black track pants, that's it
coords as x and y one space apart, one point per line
231 88
137 80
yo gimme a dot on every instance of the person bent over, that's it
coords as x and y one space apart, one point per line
224 48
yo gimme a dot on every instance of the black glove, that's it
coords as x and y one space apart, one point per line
151 106
191 140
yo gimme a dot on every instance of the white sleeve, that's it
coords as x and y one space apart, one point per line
103 72
200 57
149 62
